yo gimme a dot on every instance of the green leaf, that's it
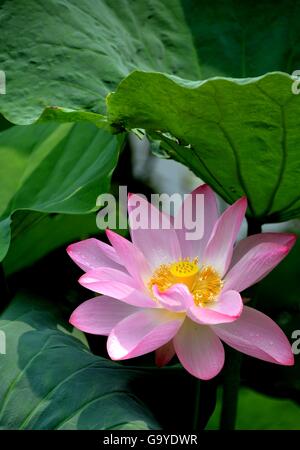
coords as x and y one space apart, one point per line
64 115
44 370
76 51
259 412
35 234
239 135
53 169
244 38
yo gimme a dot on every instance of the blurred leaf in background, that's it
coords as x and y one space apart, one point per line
244 39
53 168
35 234
259 412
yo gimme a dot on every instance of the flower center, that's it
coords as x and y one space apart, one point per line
203 282
184 271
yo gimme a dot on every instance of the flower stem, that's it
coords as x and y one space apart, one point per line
4 292
205 402
233 367
197 405
230 389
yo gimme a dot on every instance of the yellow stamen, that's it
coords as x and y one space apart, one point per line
207 286
162 278
203 282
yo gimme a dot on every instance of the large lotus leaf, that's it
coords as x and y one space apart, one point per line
50 380
241 136
244 38
75 51
53 168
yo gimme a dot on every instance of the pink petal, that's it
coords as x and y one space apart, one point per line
257 335
164 354
218 252
194 248
131 257
92 253
157 245
100 315
116 284
245 245
176 298
254 265
142 332
226 309
199 350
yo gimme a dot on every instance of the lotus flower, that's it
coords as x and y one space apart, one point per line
176 296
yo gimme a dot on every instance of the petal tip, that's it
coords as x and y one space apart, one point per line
284 249
69 249
82 279
290 361
293 239
204 187
115 353
108 232
72 319
244 201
